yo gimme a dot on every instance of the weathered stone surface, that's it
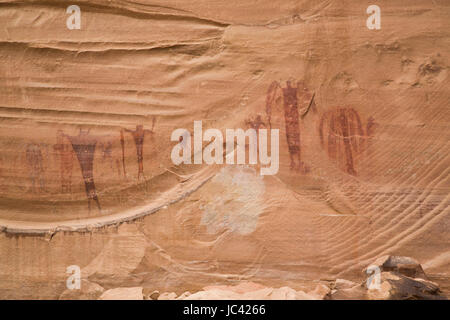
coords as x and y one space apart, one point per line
340 284
134 293
88 291
249 291
321 292
284 293
87 116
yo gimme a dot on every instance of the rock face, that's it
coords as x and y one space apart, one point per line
87 176
87 291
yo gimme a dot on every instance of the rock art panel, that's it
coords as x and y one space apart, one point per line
295 66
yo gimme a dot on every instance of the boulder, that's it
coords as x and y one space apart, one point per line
340 284
357 292
321 292
397 278
401 265
252 291
133 293
150 294
395 286
168 296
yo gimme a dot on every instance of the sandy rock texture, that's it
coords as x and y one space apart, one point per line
399 283
87 179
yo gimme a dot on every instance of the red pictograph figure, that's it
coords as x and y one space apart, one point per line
65 152
138 136
255 123
343 137
35 163
84 146
288 98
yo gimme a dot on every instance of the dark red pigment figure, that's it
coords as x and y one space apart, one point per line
65 152
343 137
138 136
256 124
84 147
288 97
35 163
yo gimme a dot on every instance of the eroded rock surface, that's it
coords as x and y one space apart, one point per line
87 177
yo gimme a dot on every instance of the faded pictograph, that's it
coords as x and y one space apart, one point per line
296 101
65 153
344 137
106 148
109 157
255 123
35 163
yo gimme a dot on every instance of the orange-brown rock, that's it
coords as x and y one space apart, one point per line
87 179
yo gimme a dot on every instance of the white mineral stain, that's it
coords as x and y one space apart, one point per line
239 204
